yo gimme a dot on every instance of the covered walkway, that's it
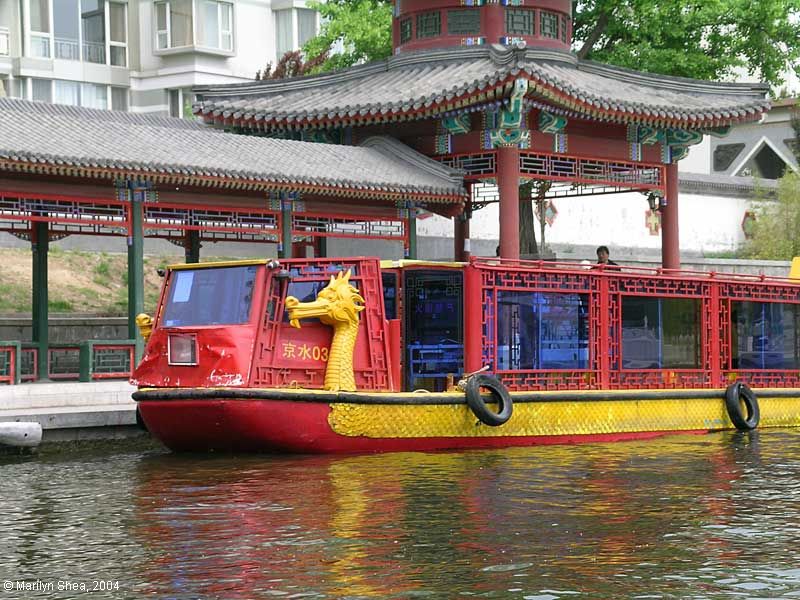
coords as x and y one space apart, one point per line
67 170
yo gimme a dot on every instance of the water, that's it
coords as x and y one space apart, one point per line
714 516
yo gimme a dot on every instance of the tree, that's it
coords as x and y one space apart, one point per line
291 64
352 31
776 230
702 39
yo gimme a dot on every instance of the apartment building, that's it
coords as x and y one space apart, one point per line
141 55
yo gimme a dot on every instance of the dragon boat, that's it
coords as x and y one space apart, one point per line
363 355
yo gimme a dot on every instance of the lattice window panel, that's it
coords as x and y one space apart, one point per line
564 27
549 24
520 21
178 219
429 24
483 164
320 225
405 31
617 173
69 215
764 379
463 22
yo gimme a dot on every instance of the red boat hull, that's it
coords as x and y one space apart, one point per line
241 425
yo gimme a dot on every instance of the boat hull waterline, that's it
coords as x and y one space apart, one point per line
315 421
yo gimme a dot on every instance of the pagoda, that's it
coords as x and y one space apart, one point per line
492 88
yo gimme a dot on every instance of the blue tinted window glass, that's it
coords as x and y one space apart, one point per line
390 294
220 296
765 335
542 331
660 333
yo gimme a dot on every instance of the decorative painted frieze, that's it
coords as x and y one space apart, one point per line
635 151
473 41
457 124
443 144
550 123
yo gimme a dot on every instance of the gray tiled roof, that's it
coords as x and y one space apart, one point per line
67 136
440 80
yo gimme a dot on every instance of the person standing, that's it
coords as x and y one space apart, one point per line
603 256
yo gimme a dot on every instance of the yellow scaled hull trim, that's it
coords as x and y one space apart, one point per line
553 418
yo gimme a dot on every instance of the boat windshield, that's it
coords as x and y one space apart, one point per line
218 296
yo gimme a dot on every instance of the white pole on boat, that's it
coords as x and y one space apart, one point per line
20 434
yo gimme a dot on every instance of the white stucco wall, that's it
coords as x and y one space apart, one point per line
708 223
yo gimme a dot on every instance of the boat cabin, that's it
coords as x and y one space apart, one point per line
536 325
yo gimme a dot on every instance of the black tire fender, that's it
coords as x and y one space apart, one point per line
499 394
742 406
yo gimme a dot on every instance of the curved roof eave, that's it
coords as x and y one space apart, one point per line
430 83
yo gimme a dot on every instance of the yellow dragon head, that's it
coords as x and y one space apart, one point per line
336 304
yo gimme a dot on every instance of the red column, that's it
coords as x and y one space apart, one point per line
461 238
670 244
508 186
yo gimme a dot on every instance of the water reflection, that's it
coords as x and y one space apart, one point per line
692 516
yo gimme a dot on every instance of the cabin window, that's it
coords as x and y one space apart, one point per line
660 333
220 296
542 331
389 281
434 336
765 335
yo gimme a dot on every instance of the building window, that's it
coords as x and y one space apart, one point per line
66 30
520 21
215 25
549 25
173 24
93 31
405 31
284 29
463 22
564 24
293 28
93 27
725 154
119 98
67 92
118 34
5 41
39 12
765 164
306 25
429 24
94 96
42 90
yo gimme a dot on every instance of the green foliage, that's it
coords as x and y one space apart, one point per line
702 39
58 305
361 28
776 231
